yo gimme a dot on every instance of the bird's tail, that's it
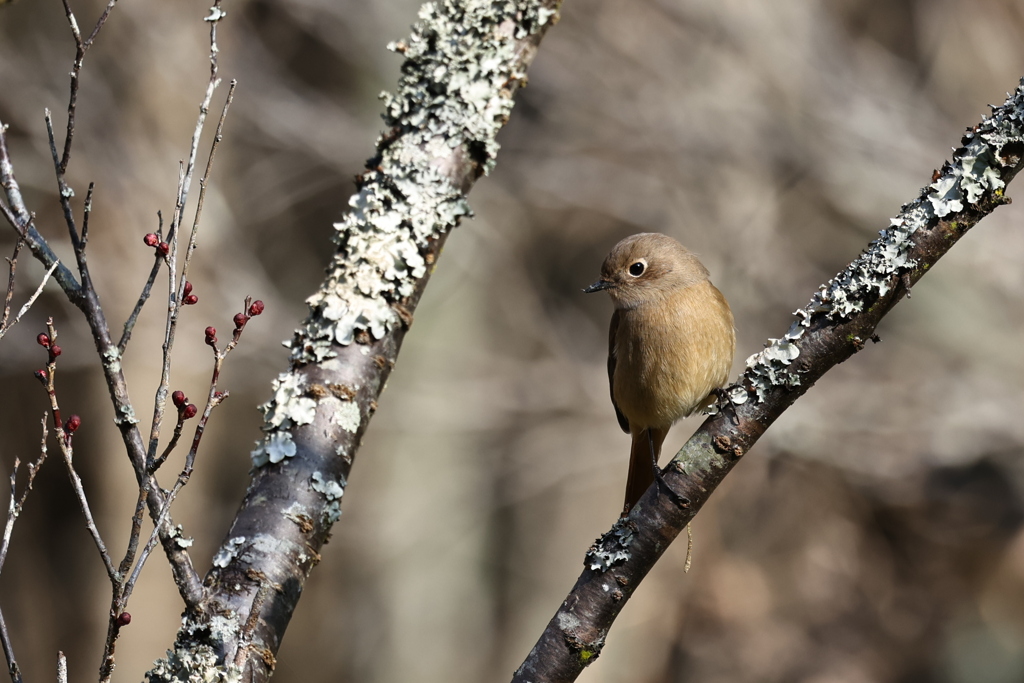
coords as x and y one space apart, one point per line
641 464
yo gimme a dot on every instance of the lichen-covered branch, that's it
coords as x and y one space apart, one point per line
839 320
463 64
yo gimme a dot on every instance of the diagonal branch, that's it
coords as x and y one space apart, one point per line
475 53
839 320
18 215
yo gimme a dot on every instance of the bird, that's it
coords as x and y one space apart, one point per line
670 345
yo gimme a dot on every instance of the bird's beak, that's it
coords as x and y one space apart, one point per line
598 286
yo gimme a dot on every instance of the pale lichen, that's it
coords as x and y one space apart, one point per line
112 358
273 448
228 551
194 659
288 408
612 548
346 416
975 172
454 96
191 664
180 540
332 491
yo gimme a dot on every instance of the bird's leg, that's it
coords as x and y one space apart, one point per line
659 479
725 404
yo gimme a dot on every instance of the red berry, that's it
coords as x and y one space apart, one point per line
256 307
178 398
190 300
188 287
123 619
211 335
54 351
151 239
72 424
189 412
163 249
240 320
43 340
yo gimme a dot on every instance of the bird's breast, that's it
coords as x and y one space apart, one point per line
671 353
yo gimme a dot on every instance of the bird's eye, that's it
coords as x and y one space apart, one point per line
637 269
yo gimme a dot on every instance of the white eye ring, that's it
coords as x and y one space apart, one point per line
634 271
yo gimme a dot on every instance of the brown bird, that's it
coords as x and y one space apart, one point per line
670 346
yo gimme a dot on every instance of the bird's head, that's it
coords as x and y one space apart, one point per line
647 267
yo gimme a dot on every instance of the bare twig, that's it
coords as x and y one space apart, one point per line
65 433
136 532
28 304
87 299
18 215
213 399
5 639
176 283
12 262
158 261
81 47
17 502
123 590
63 189
14 508
218 136
86 212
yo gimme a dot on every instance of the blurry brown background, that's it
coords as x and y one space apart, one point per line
874 534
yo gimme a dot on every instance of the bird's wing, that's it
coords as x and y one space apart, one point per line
623 422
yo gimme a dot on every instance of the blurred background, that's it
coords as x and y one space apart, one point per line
873 534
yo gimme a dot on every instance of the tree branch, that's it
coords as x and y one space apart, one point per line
475 53
838 321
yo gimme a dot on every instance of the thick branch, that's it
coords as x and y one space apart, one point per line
839 320
475 53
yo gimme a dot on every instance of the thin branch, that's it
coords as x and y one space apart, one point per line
217 137
65 432
64 191
81 47
12 263
86 212
5 639
123 590
176 284
12 511
87 299
31 300
17 503
14 508
18 215
158 261
134 535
